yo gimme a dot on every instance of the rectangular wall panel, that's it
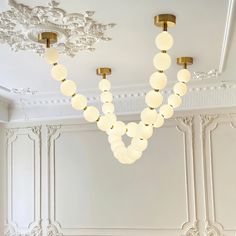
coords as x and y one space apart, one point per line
91 192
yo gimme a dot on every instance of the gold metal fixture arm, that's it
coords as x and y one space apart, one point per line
47 38
165 21
103 71
184 61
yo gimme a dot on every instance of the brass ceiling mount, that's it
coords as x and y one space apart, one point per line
47 38
184 61
165 20
103 71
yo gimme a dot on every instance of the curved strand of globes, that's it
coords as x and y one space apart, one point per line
140 132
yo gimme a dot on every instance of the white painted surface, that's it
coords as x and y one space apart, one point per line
183 185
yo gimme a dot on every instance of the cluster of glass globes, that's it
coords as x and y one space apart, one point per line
150 117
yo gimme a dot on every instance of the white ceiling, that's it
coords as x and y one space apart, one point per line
199 33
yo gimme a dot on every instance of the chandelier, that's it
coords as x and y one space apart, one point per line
140 132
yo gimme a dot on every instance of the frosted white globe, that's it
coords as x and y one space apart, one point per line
91 114
153 99
106 97
180 89
139 144
68 88
79 102
113 138
184 75
167 111
104 123
104 85
148 116
159 122
158 80
162 61
144 131
120 152
164 41
119 128
111 118
174 100
108 108
117 145
51 55
59 72
133 153
131 129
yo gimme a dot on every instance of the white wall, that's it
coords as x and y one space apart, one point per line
64 179
1 181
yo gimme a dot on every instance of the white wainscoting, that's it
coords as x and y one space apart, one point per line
63 180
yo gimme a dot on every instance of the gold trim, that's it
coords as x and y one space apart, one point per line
103 71
47 38
165 20
184 61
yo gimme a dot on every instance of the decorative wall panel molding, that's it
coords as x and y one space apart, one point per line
211 124
23 143
184 125
78 182
76 31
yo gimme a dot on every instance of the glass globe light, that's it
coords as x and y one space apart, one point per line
104 123
174 100
158 80
167 111
164 41
116 145
91 114
139 144
184 75
162 61
131 129
159 122
104 85
113 138
148 116
153 99
119 128
68 88
51 55
59 72
106 97
144 131
180 89
111 118
79 102
108 108
133 153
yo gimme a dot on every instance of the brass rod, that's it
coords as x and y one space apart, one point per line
48 43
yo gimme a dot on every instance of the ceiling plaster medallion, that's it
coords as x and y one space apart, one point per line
20 27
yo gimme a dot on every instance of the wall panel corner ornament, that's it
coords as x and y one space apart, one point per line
53 230
21 26
193 231
211 230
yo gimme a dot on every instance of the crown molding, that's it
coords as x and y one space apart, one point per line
127 101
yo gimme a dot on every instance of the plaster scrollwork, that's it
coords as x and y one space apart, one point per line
193 230
207 119
211 230
36 130
53 230
20 26
186 120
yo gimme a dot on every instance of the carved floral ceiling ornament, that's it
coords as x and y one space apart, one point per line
21 25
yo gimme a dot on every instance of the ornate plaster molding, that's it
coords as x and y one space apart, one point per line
212 74
20 26
193 231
